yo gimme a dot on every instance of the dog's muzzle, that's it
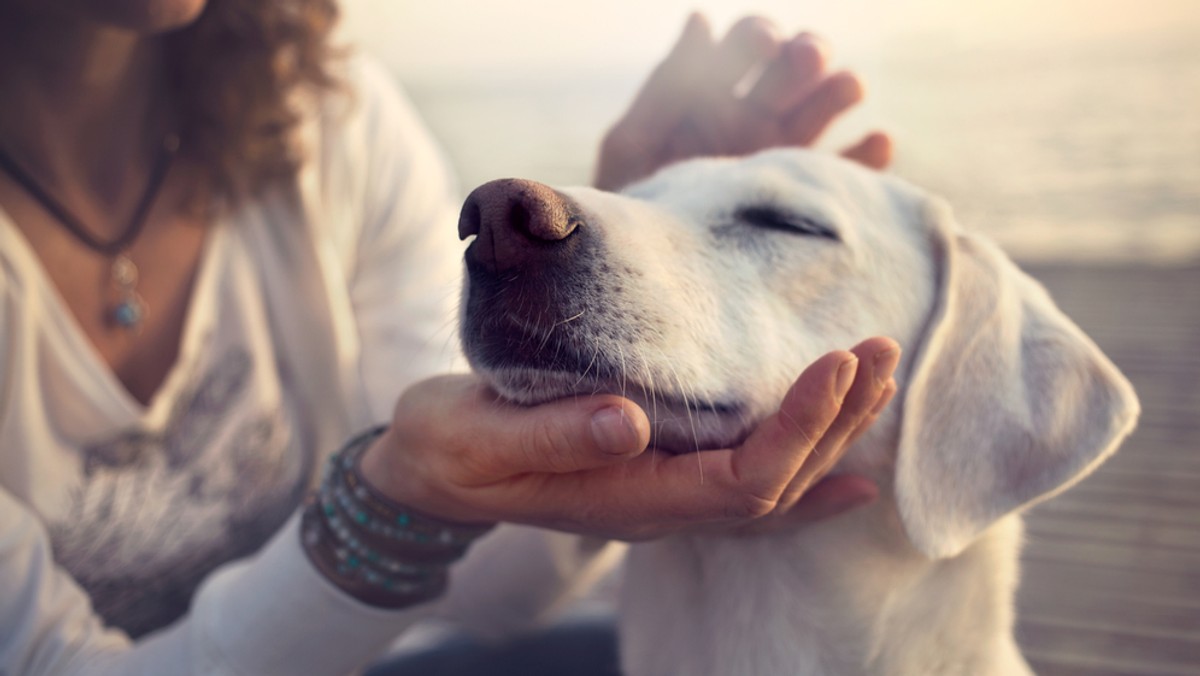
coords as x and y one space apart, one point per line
532 257
543 316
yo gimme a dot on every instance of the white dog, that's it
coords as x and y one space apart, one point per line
701 293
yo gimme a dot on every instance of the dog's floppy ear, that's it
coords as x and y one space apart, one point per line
1008 402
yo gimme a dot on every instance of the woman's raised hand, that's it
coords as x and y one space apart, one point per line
692 106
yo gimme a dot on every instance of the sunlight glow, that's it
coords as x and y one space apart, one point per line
547 35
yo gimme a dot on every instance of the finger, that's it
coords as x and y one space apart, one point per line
751 41
879 357
831 97
675 83
828 498
715 125
876 356
493 440
873 151
570 436
689 138
791 76
780 444
658 109
889 391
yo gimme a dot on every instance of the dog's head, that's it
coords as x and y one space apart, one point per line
702 292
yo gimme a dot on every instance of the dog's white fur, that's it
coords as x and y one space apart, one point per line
1003 402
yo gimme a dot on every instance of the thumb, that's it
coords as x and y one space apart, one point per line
567 435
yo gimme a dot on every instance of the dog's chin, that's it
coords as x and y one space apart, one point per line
678 424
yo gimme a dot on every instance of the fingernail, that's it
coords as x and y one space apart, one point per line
885 397
885 365
613 431
845 377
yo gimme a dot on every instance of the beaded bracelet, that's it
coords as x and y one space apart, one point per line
379 514
379 551
361 580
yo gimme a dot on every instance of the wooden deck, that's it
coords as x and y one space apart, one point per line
1111 580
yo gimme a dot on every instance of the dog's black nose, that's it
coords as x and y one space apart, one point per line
515 223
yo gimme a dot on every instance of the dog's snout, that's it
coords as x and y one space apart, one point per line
515 222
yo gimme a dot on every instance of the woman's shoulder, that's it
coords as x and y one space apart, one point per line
370 124
371 170
371 95
369 155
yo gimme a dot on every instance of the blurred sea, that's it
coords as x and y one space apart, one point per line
1090 153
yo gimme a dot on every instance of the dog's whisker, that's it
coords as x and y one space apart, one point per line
548 336
571 319
687 406
447 336
648 383
621 357
796 426
588 368
657 424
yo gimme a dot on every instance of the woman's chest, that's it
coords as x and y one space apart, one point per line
143 500
154 279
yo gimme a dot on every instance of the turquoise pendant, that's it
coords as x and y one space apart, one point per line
130 309
128 313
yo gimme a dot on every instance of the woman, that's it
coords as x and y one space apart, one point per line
225 251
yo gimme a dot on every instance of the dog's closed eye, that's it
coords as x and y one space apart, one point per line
774 218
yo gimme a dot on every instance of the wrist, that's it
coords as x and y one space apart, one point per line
376 470
343 569
407 488
378 551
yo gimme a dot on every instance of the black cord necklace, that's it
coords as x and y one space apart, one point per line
129 309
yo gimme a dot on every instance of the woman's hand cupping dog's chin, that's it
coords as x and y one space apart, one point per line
692 104
579 465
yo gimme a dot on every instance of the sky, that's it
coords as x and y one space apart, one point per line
461 37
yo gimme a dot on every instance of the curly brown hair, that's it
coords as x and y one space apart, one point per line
235 73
